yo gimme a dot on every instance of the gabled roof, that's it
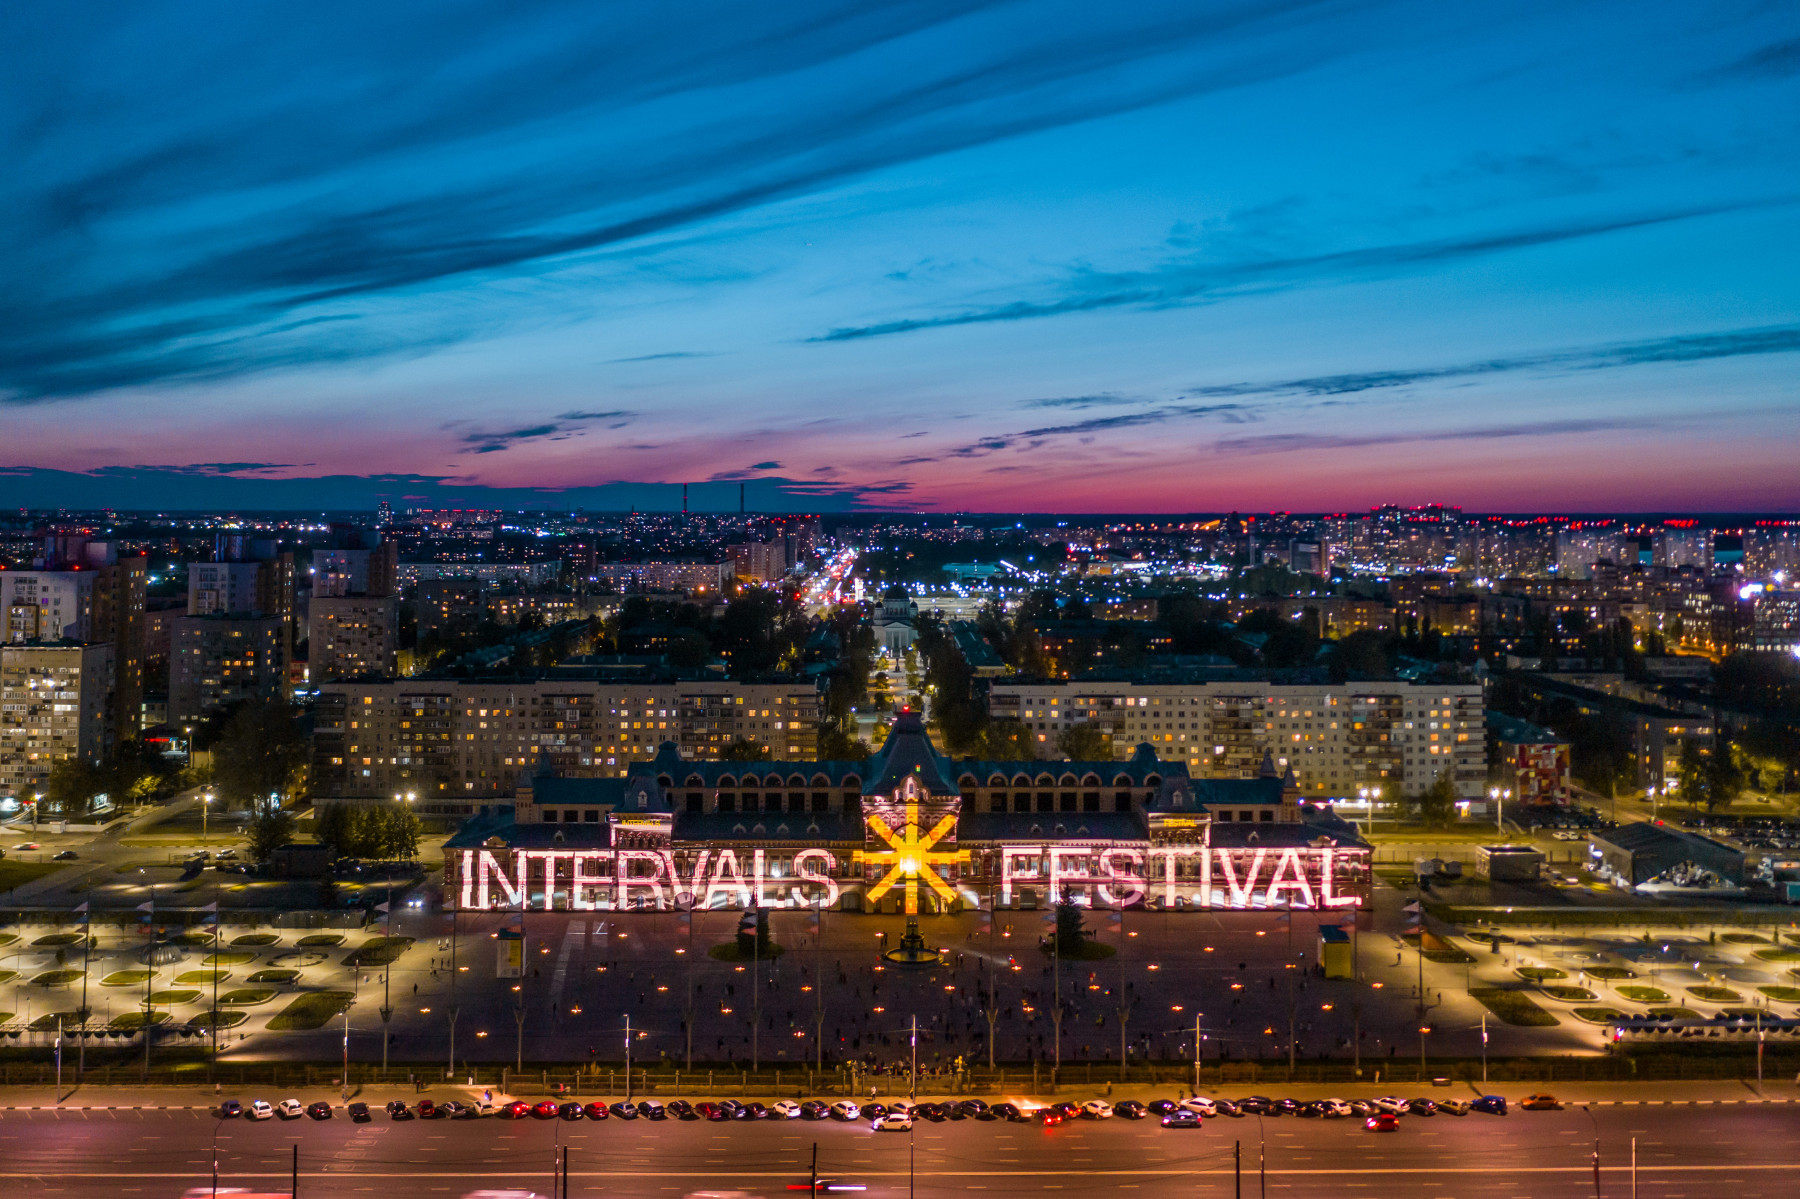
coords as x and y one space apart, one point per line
909 753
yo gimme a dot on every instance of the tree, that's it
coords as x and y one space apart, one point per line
400 829
741 750
1436 805
1690 771
836 745
1724 779
1363 654
1009 741
1085 742
70 786
1070 936
261 751
271 828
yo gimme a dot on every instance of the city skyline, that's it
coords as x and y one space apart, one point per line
1012 258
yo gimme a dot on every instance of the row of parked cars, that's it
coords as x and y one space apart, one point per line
899 1115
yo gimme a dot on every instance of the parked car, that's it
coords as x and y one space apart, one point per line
650 1109
1363 1107
1382 1122
1200 1105
892 1122
814 1109
230 1108
681 1109
1334 1109
67 855
1130 1109
1162 1107
785 1109
1287 1107
1454 1107
1421 1107
28 845
1493 1105
430 1110
937 1113
518 1109
845 1109
971 1107
1540 1102
1391 1105
455 1109
1259 1105
749 1111
570 1110
289 1109
319 1111
708 1110
397 1110
1182 1118
1227 1108
260 1110
1010 1112
1067 1110
225 855
359 1112
625 1110
874 1111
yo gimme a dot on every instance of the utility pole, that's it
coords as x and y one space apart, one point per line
454 913
387 971
346 1054
1056 1012
1123 1007
1196 1053
1237 1170
86 945
819 979
756 990
149 972
294 1174
628 1057
1356 1037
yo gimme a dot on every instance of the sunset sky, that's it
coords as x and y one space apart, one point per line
1030 256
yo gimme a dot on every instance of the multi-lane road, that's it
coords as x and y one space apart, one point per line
1741 1150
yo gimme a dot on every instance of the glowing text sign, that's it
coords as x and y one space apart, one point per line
1213 877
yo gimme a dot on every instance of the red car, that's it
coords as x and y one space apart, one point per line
1382 1122
596 1111
1050 1117
518 1109
429 1110
546 1109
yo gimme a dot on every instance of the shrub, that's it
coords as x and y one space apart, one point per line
1570 994
171 998
1782 994
1644 994
273 976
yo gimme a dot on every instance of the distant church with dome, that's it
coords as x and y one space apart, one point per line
896 622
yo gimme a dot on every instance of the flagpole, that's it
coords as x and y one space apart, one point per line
86 939
149 973
215 981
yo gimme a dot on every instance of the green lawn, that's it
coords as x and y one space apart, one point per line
56 940
201 978
1513 1007
136 1019
244 997
1610 973
1716 994
1673 1013
1782 994
47 1021
316 940
378 951
222 1019
1570 994
1538 974
1644 994
17 874
310 1011
193 937
273 976
1599 1015
171 998
227 958
1744 939
127 978
7 976
56 978
255 939
1779 955
728 952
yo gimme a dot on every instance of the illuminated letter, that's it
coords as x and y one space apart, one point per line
1206 877
1131 876
1328 896
725 866
1290 860
1007 874
486 867
1168 873
689 886
651 882
550 857
802 869
1057 854
758 872
1240 896
580 879
468 879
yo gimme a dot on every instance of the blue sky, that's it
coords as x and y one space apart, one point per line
1025 256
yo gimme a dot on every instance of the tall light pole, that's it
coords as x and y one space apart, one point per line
205 811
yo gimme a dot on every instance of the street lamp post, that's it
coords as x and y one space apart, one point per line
205 811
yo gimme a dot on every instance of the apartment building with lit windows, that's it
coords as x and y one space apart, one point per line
459 744
56 705
1338 738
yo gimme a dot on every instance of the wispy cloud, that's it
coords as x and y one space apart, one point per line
663 357
1283 443
494 442
1190 281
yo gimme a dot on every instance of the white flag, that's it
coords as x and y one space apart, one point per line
147 907
381 907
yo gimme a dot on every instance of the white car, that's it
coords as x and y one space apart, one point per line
1200 1105
785 1109
289 1109
1336 1109
892 1122
845 1109
1096 1109
1391 1105
259 1109
483 1107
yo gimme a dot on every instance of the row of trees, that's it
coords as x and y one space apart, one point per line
388 832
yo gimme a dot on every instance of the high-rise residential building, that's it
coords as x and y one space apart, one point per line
760 560
462 742
84 591
1337 737
57 704
224 587
352 636
702 578
448 607
222 659
340 572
